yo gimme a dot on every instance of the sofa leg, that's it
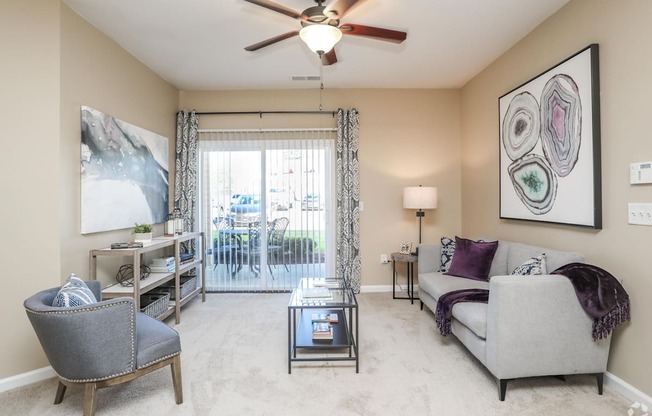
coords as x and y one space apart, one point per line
421 307
502 388
600 379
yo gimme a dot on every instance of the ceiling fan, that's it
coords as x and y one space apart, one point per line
321 28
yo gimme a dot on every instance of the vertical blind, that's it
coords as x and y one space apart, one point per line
264 178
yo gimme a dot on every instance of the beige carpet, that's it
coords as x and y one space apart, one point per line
234 362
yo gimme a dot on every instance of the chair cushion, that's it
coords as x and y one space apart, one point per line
74 293
155 341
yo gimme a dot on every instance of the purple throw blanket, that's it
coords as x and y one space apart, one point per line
444 309
601 295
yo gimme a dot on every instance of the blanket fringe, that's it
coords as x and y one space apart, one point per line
605 325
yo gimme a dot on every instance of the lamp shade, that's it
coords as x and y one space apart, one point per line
320 38
420 197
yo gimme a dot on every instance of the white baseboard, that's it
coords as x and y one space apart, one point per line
627 390
21 380
384 288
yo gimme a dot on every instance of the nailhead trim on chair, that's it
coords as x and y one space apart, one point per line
90 308
159 360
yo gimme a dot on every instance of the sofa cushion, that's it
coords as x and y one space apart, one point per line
74 293
532 266
436 284
447 251
519 253
499 263
472 259
472 315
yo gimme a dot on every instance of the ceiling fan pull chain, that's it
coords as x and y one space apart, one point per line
321 80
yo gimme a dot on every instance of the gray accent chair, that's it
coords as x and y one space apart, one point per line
102 344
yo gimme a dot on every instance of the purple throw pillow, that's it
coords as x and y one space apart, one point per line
472 259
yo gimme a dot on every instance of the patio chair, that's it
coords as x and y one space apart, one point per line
254 249
225 244
102 344
276 242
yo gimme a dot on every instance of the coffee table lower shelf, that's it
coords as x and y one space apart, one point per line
343 346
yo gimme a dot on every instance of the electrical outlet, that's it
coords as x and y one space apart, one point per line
383 259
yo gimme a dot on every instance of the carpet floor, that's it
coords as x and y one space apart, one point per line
234 362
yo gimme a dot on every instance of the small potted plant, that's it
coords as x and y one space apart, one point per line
142 233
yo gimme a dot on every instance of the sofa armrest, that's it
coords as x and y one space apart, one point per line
536 327
429 257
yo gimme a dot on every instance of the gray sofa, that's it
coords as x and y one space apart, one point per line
531 326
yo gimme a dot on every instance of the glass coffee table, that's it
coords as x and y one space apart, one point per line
322 322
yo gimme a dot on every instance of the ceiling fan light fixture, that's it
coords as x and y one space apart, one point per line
320 38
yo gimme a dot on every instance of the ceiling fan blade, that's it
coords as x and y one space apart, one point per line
373 32
278 8
329 58
270 41
338 8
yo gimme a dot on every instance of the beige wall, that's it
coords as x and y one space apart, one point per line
29 166
52 63
97 73
407 138
623 31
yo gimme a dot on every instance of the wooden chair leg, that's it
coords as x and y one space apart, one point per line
90 391
61 390
176 379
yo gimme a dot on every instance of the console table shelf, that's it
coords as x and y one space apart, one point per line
156 280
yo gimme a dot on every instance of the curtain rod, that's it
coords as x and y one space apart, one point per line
260 113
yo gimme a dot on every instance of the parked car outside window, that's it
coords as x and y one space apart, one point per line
246 209
312 202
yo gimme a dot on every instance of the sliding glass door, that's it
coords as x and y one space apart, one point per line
267 201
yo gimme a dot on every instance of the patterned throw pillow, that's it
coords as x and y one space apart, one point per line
74 293
447 251
535 265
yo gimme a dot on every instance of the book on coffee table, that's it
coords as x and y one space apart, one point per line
324 317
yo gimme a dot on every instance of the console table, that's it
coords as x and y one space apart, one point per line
155 280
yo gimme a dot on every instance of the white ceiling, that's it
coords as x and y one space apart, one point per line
199 44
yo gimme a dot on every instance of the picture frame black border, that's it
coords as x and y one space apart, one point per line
595 139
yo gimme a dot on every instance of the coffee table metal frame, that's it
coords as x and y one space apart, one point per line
343 346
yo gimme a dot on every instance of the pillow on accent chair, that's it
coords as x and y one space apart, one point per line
447 251
74 293
532 266
472 259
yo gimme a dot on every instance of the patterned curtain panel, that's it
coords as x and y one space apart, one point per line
348 198
185 186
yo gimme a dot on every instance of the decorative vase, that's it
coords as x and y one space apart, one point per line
143 237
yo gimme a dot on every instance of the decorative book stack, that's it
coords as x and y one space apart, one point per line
322 331
316 294
324 317
163 265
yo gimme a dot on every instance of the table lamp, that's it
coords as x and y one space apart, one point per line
420 198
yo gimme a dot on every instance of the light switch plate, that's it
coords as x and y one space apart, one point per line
639 213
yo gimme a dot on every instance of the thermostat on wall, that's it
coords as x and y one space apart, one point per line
640 172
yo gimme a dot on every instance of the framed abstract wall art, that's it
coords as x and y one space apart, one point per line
549 132
124 174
